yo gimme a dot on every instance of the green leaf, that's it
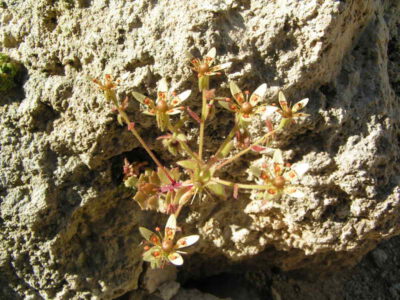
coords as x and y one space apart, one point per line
188 164
217 189
131 182
181 137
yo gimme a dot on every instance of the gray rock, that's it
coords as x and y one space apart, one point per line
68 228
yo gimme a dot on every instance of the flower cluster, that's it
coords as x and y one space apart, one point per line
160 250
167 104
277 177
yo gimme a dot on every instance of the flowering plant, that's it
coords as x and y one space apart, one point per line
168 189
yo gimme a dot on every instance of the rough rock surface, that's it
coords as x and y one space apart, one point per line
68 228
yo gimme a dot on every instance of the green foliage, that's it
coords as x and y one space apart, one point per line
9 70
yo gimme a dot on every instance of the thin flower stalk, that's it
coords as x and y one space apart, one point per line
109 87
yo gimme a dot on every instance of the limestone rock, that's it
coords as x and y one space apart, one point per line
68 227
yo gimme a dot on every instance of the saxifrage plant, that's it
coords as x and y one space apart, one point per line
168 190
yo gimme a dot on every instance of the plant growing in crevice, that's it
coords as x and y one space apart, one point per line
9 71
168 190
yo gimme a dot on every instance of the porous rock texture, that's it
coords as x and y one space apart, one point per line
69 229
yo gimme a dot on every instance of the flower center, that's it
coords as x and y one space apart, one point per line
162 106
279 182
247 108
203 68
167 245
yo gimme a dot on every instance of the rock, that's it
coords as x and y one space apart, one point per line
168 290
380 257
68 226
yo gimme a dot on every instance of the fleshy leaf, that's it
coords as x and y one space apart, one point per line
188 164
181 137
235 191
217 189
120 121
131 182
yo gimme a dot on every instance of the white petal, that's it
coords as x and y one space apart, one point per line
212 53
174 111
163 86
170 227
258 94
184 95
269 110
294 192
175 258
277 158
221 66
299 105
301 169
187 241
291 175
